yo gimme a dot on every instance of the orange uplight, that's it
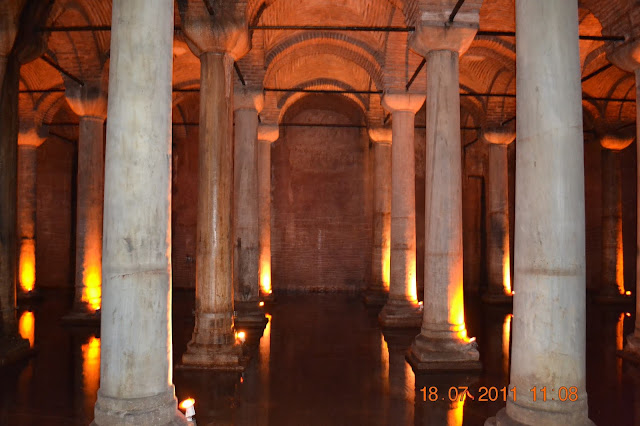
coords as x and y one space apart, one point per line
506 339
412 290
265 277
261 304
27 265
26 326
619 260
628 293
91 370
187 403
386 267
92 291
506 273
241 336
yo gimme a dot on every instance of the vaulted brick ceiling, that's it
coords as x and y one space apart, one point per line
321 59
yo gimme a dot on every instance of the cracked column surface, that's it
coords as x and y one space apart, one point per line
402 308
246 260
218 40
548 340
136 381
377 291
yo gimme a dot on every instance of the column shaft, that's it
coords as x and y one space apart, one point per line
264 215
246 244
499 270
136 359
11 345
213 342
548 346
443 342
27 168
90 196
612 266
381 257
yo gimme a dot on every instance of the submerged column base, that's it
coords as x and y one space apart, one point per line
400 313
375 296
445 353
82 316
614 298
13 349
631 351
249 315
154 410
540 417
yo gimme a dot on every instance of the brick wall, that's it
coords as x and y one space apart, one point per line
321 209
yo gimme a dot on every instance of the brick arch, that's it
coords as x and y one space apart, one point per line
342 51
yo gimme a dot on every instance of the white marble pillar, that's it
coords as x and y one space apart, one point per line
377 290
498 263
267 134
218 41
246 261
402 308
443 343
30 139
612 288
549 309
90 104
136 380
627 57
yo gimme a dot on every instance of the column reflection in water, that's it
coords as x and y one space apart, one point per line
447 409
90 373
26 326
401 379
506 344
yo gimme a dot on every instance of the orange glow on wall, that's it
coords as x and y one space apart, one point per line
412 290
92 280
265 277
91 369
506 272
27 265
506 339
26 326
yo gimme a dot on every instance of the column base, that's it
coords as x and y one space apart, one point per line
631 351
82 318
375 297
31 296
539 417
154 410
14 349
497 298
249 315
443 354
213 357
614 299
400 314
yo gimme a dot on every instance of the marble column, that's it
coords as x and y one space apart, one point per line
90 104
136 380
12 345
499 264
627 57
30 138
213 344
612 286
377 291
549 309
246 261
443 343
267 134
402 308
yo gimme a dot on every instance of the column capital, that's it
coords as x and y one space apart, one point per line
616 140
89 100
499 135
626 56
381 135
224 31
252 99
401 101
32 136
268 132
435 33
